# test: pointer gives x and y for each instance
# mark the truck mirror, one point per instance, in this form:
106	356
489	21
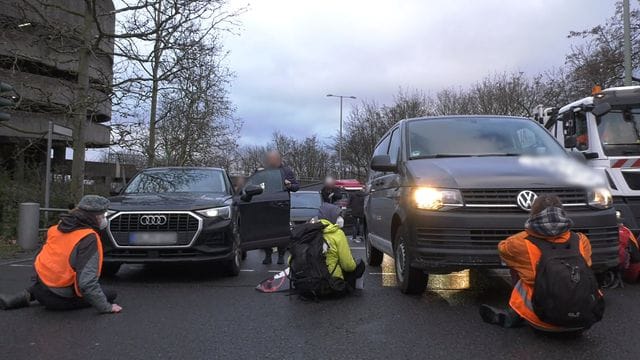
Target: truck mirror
601	109
570	141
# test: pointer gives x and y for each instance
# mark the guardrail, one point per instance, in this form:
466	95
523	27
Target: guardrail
29	224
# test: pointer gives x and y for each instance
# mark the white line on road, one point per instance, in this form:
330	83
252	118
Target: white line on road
382	273
357	248
21	265
247	270
275	271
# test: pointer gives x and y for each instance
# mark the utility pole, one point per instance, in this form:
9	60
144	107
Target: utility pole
627	43
340	168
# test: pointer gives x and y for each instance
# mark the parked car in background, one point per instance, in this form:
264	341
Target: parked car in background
304	206
180	214
444	191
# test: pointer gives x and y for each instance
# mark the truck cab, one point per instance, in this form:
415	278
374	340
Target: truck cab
605	128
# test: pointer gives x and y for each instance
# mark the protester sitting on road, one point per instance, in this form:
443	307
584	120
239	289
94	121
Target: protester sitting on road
339	259
555	289
273	160
69	264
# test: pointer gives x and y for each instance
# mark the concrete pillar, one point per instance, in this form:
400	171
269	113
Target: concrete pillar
28	225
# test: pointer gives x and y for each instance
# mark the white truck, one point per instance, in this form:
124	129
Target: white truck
605	128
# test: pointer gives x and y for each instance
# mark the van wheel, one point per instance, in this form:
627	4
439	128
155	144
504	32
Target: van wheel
410	279
110	269
373	255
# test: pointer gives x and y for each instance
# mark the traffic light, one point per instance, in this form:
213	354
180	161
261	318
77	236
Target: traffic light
6	100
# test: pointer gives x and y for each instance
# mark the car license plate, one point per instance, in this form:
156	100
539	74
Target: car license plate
153	238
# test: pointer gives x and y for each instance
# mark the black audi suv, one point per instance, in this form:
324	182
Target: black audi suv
178	214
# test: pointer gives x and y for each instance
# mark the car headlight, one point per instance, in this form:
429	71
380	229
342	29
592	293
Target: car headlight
220	212
600	198
428	198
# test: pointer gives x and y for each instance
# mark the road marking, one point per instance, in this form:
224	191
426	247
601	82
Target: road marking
21	265
382	273
357	248
275	271
247	270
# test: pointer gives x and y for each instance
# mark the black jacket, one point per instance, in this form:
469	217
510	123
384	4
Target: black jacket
357	204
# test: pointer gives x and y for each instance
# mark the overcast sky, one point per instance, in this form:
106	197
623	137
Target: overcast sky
291	53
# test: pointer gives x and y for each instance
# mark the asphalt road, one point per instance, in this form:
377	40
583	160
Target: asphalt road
178	312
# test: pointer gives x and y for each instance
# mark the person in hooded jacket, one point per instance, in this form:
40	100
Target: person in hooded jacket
339	260
69	264
547	221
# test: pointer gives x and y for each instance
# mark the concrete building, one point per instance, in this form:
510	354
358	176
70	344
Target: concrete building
39	58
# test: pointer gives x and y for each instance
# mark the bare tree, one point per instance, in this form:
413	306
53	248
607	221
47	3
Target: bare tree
162	32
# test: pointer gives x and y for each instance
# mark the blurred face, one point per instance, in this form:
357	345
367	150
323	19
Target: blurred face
102	221
274	160
329	181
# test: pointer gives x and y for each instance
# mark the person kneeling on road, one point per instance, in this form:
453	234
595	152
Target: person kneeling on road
555	289
69	264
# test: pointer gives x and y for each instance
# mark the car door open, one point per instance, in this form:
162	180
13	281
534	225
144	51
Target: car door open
264	218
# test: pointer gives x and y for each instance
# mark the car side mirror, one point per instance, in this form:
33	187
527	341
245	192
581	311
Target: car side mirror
383	163
250	191
601	109
116	189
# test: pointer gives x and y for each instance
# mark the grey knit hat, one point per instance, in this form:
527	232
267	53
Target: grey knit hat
93	203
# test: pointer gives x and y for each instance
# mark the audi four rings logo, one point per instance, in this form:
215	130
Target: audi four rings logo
153	220
525	199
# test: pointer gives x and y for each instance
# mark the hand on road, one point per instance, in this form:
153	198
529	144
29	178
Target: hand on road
115	308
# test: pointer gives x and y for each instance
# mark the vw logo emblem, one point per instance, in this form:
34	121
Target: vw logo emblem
525	199
153	220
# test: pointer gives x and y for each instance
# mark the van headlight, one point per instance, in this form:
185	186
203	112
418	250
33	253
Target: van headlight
428	198
219	212
600	198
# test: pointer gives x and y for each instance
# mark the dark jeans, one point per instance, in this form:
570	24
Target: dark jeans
52	301
357	227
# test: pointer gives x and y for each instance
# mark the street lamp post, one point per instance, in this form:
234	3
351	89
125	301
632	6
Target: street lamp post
340	169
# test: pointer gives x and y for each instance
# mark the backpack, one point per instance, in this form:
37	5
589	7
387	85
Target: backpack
566	292
309	275
629	256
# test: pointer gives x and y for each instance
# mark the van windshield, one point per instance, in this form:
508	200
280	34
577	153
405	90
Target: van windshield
479	136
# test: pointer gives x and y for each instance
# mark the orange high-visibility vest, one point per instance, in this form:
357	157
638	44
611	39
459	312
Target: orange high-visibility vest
53	262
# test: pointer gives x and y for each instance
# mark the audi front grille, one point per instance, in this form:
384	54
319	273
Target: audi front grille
185	225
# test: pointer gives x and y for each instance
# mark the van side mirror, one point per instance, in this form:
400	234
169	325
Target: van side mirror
250	191
383	163
601	109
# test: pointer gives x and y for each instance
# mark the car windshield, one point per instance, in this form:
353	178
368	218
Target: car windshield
619	131
305	200
479	136
178	181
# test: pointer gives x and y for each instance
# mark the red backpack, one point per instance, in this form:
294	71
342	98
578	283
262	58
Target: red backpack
629	255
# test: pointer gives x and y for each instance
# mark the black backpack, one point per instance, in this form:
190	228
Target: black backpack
309	275
566	291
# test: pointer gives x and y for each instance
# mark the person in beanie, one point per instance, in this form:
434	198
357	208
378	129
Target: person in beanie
339	260
547	221
69	263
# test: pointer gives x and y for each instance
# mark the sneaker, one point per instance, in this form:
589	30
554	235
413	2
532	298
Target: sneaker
357	239
491	315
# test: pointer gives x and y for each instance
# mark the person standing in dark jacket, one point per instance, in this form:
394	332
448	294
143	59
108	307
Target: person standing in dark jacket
68	266
357	212
273	160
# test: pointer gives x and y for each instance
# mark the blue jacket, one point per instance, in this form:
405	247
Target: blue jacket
288	174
